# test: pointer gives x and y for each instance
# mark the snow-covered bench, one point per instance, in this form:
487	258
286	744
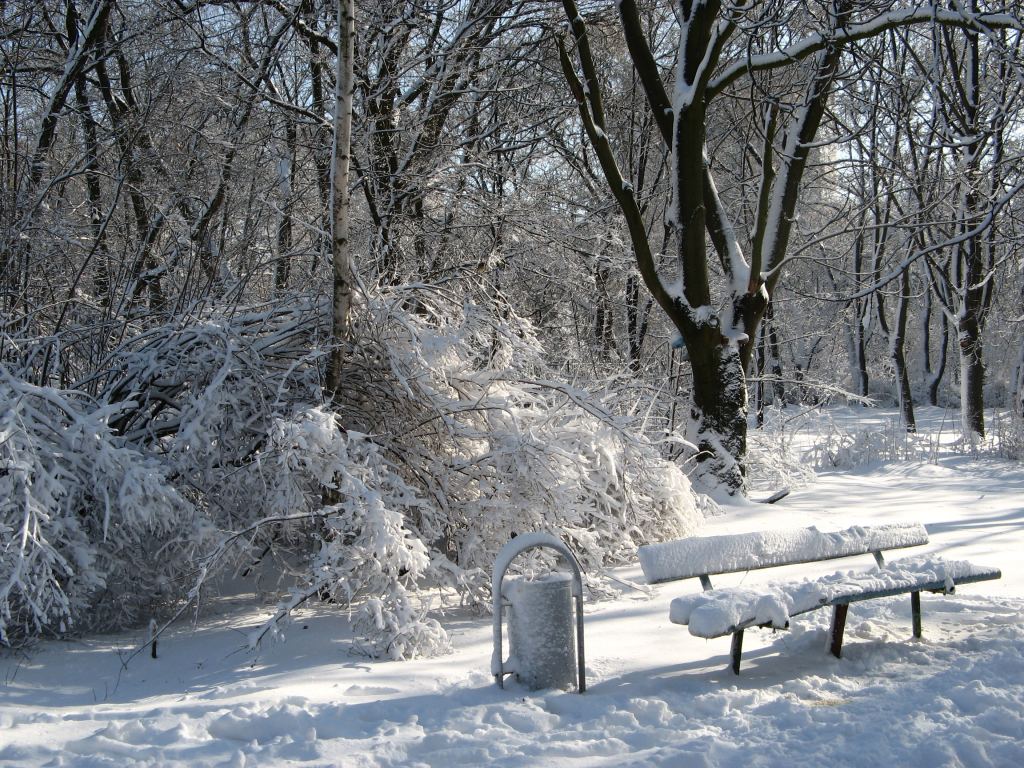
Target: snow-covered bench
720	612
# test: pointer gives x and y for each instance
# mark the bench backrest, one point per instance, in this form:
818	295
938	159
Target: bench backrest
709	555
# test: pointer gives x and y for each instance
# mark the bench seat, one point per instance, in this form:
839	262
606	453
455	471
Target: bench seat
720	612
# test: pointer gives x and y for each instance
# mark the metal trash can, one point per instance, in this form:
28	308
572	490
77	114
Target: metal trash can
541	637
545	639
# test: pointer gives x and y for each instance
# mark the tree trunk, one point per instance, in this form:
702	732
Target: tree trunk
637	319
899	355
341	246
934	367
969	260
604	314
936	378
92	172
286	180
717	422
896	335
134	141
1018	385
762	360
718	409
774	356
320	139
859	330
972	379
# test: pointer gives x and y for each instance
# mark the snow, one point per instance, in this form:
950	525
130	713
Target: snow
699	555
720	611
656	695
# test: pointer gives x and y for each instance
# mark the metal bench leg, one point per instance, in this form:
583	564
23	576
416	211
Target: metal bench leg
737	649
838	625
915	610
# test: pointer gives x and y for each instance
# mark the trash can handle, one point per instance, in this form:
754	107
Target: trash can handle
514	548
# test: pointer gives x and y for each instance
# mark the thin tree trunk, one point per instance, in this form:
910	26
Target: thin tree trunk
934	367
341	246
143	273
861	309
936	378
320	139
762	360
93	188
896	335
636	329
282	267
926	338
899	356
604	315
774	356
1018	384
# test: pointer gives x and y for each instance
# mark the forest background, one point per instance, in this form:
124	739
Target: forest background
357	291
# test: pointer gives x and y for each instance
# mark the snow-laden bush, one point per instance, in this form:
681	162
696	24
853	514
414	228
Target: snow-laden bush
203	395
534	458
1007	434
91	532
450	437
462	400
840	448
774	460
469	444
353	505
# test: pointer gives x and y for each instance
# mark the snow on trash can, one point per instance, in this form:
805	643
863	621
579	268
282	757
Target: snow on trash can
545	632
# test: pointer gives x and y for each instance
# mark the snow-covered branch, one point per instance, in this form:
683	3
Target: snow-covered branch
892	19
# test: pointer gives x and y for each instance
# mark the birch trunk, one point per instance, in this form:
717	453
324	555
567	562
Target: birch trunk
341	247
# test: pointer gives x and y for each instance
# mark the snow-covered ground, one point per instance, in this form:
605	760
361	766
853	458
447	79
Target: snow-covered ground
656	696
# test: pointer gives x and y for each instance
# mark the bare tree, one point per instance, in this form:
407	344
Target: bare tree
720	43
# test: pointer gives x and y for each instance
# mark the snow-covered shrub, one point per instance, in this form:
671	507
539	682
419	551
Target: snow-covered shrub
91	531
450	437
204	394
848	449
228	405
540	462
1008	431
355	506
460	396
469	445
774	461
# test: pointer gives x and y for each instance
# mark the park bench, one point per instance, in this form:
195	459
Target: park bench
729	611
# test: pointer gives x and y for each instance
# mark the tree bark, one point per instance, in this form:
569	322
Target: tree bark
637	321
861	315
934	367
341	246
899	355
1018	384
286	181
93	187
971	274
972	378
